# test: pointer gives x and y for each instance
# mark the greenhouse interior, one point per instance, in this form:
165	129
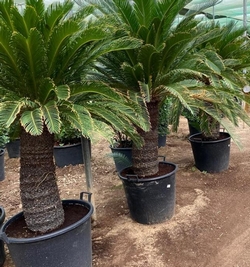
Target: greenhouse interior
178	198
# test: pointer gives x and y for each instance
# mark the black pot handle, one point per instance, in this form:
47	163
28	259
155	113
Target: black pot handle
163	158
4	238
86	193
132	177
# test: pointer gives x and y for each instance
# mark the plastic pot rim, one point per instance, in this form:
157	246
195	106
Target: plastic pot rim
192	140
145	180
2	215
56	233
120	148
67	146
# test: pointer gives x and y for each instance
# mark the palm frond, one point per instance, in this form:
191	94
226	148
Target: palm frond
23	23
53	15
32	121
51	117
31	53
9	111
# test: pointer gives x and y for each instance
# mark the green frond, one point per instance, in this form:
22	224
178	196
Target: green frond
120	158
178	75
118	121
117	44
6	8
131	75
46	90
58	40
143	10
149	58
174	46
9	110
38	5
76	52
81	90
214	61
23	23
85	118
146	91
177	90
51	117
124	14
32	121
62	92
168	11
31	53
7	55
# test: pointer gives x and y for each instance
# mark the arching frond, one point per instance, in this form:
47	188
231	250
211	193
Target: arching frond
51	117
32	121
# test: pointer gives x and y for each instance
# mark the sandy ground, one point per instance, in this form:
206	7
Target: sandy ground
211	226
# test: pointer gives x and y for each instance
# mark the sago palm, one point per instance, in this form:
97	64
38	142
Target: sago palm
45	53
166	64
220	101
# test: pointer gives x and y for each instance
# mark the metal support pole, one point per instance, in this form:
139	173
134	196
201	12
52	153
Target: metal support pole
87	164
245	14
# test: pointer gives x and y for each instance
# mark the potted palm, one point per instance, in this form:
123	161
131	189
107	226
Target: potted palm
168	63
45	54
211	147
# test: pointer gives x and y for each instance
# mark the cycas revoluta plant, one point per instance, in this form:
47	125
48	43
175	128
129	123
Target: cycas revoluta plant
45	54
168	63
220	101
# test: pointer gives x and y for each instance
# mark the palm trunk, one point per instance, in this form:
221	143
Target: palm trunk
145	159
214	127
40	197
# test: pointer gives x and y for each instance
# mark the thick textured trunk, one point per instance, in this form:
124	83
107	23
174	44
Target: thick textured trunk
40	197
213	126
145	159
214	129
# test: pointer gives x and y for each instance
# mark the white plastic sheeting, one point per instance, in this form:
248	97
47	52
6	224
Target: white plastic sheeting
224	10
219	10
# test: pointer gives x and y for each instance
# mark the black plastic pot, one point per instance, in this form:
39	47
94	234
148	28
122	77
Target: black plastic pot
13	148
71	246
122	157
151	200
2	172
68	155
211	156
162	139
2	252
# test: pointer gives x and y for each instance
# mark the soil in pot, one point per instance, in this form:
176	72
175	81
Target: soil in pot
72	213
69	245
151	200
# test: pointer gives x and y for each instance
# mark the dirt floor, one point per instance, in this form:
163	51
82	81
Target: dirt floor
211	226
